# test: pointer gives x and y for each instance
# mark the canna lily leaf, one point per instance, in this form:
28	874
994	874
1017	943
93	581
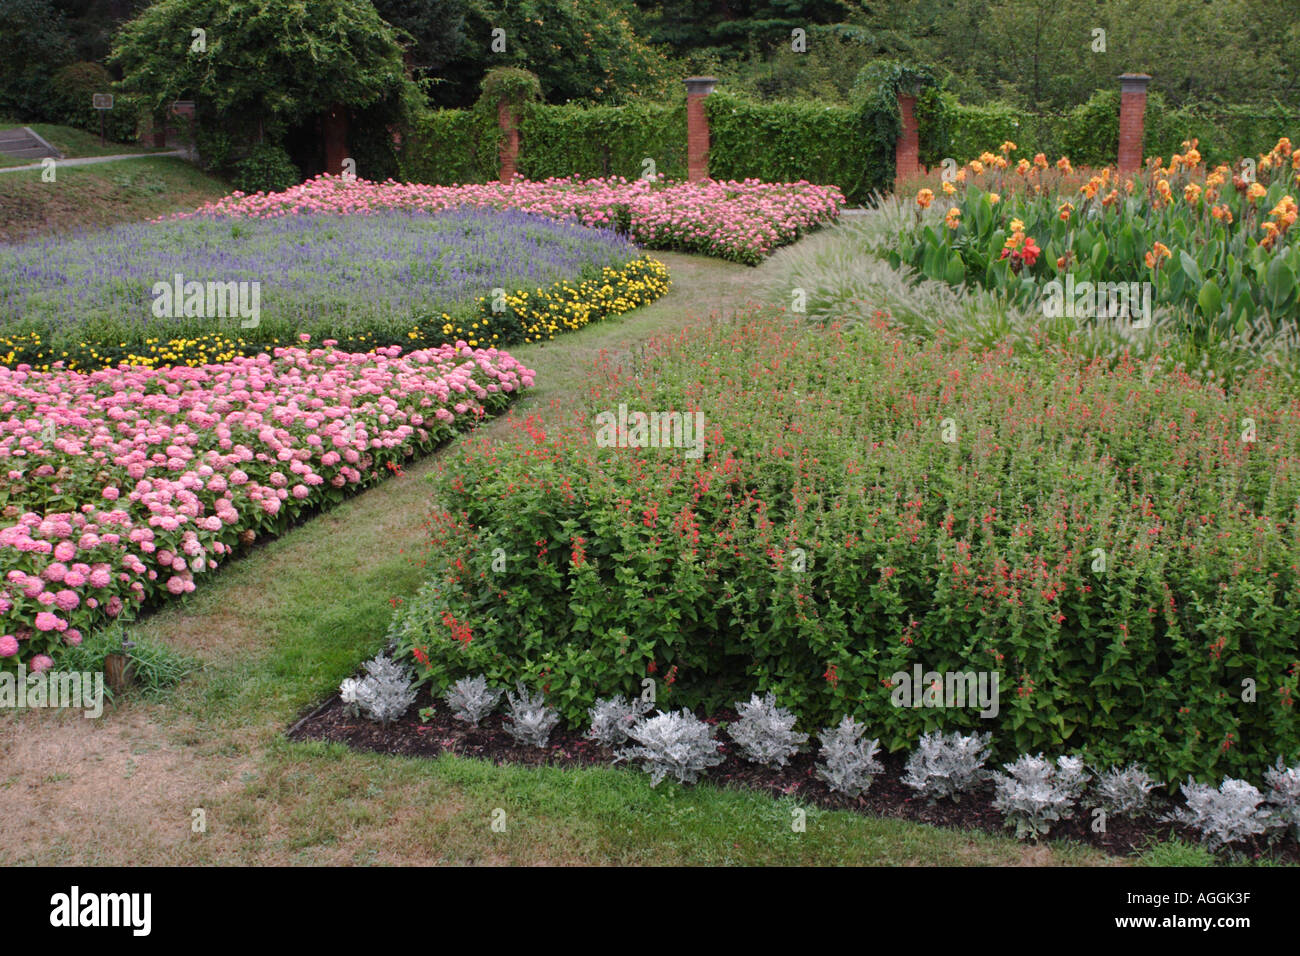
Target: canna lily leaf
1209	299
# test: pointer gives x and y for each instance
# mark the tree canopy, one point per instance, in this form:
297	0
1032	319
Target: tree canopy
274	62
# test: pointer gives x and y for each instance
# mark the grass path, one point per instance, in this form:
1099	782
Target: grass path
279	629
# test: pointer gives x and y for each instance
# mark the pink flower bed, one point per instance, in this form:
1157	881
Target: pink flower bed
743	221
125	485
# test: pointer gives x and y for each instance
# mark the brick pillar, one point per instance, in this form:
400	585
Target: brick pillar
335	131
509	140
907	151
1132	119
697	127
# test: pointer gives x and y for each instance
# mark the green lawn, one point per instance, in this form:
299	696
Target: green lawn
102	194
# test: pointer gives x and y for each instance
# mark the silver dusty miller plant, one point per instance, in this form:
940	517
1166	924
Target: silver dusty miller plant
848	761
1034	793
676	744
470	699
528	719
765	732
613	717
1283	796
384	694
1230	813
946	765
1125	792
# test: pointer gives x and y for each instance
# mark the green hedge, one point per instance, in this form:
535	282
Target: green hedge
597	141
785	142
1089	133
446	147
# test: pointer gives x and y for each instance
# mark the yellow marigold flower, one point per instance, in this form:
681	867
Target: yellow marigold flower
1192	157
994	199
924	198
987	158
949	189
953	219
1017	225
1007	147
1191	192
1162	187
976	167
961	174
1023	167
1255	191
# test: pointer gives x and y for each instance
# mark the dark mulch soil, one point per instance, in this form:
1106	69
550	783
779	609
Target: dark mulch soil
887	797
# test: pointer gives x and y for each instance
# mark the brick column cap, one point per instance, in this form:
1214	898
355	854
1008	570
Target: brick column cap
1134	82
700	85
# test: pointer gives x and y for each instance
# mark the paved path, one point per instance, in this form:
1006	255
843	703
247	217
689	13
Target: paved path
88	160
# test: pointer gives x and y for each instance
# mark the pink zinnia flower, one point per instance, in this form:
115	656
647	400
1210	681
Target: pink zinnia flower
45	621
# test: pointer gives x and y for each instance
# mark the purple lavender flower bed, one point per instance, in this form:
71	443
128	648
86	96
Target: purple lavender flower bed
328	276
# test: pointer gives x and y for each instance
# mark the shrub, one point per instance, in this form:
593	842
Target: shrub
528	719
267	168
1228	814
1125	791
593	142
73	88
613	717
848	760
1283	797
765	732
1034	794
384	694
793	141
832	442
470	699
446	147
673	744
946	765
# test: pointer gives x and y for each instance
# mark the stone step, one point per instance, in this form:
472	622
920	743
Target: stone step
25	143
